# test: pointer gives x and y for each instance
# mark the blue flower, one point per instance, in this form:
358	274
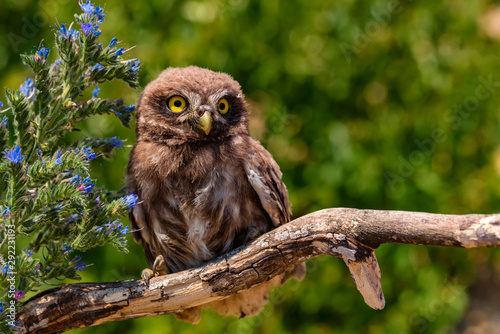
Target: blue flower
130	108
116	142
85	185
28	88
117	227
67	249
119	52
80	266
57	62
113	42
42	53
6	213
75	179
95	92
29	253
98	67
131	200
88	188
14	155
39	152
88	153
58	154
134	65
87	7
1	307
63	31
5	122
70	34
1	105
59	161
99	14
5	269
96	31
76	259
86	28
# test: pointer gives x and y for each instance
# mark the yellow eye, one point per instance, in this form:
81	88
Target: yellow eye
223	106
176	103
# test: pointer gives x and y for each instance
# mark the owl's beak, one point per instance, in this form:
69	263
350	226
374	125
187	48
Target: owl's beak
205	123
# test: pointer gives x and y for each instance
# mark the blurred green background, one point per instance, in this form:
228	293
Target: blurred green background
363	104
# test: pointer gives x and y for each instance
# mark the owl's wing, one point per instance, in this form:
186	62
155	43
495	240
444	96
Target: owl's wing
264	175
137	223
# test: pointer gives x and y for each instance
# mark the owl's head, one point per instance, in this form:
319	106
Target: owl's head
191	104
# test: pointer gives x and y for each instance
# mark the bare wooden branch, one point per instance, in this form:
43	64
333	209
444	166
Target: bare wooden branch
349	234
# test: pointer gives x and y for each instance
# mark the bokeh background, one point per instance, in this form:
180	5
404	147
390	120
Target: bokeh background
365	104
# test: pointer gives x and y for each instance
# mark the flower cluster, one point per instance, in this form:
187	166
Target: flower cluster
114	226
42	54
94	17
70	34
94	12
46	190
84	185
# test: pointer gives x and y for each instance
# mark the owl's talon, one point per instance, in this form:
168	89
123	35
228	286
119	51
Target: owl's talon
253	233
159	266
146	275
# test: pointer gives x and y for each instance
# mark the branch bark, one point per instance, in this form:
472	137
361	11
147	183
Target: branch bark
349	234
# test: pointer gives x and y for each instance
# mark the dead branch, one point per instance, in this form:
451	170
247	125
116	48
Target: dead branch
349	234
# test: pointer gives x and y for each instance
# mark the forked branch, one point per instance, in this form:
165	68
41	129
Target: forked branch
349	234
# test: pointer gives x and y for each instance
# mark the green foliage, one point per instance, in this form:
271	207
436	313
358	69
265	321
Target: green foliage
47	195
341	91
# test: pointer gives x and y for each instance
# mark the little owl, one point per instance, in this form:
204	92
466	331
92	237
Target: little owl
205	186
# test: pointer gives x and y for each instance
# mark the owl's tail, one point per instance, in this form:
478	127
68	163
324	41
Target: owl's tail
246	303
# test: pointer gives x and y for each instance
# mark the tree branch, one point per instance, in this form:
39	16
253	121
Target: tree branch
349	234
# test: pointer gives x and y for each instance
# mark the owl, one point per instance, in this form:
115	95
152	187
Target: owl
205	186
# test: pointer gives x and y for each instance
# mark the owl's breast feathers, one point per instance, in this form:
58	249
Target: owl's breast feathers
199	201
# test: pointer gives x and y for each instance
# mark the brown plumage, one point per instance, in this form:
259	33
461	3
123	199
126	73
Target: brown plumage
204	184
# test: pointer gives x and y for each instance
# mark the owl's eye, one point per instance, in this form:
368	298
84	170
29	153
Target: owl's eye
177	103
223	106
